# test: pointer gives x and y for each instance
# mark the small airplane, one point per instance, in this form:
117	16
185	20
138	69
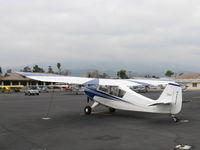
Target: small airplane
117	94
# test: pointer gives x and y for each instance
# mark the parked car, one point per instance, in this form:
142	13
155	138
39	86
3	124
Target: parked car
32	91
43	89
77	89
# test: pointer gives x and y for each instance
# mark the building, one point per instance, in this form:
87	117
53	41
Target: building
192	81
17	79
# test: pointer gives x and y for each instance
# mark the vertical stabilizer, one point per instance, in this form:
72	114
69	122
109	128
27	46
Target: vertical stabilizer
172	95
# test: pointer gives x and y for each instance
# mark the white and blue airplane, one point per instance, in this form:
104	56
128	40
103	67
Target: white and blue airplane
117	94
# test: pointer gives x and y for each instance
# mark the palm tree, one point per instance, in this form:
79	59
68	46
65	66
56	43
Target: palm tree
1	71
59	67
50	70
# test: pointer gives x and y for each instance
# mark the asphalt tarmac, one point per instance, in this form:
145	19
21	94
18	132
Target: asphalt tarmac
22	126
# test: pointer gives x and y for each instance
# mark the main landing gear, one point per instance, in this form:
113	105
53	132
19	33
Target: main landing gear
88	109
174	118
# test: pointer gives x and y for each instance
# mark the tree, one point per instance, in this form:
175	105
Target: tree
104	75
9	71
50	70
169	73
147	76
130	74
180	74
1	71
122	74
36	68
59	67
153	76
66	72
26	69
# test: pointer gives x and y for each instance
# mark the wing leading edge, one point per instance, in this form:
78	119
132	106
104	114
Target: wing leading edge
86	81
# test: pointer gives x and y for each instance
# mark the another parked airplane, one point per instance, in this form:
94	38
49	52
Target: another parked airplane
10	88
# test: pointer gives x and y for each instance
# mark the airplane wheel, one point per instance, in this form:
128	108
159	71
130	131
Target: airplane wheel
87	110
175	119
111	109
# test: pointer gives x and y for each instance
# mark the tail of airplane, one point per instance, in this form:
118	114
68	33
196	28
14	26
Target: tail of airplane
172	95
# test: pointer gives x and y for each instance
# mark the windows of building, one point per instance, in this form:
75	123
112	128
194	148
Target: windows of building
194	84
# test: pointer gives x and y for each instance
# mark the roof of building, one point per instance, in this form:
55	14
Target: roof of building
189	76
14	77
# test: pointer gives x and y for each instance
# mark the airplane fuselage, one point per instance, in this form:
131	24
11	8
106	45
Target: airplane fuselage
124	98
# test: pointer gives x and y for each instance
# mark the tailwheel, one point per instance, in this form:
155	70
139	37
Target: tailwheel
87	110
111	109
174	118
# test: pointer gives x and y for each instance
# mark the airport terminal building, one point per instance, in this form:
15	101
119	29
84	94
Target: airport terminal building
10	79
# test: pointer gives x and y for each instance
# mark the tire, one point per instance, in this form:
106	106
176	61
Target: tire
87	110
175	119
111	110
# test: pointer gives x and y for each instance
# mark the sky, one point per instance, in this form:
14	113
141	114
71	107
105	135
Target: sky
139	35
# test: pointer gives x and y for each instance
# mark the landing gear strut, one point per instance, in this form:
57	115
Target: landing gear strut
174	118
88	99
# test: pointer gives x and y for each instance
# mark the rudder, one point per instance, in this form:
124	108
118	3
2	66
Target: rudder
172	95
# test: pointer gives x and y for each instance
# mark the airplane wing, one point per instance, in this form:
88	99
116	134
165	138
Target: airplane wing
95	81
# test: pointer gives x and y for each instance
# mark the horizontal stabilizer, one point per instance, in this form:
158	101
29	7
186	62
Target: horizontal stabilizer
161	103
186	101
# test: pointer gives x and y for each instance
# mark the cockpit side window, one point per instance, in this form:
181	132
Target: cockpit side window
121	93
103	88
112	90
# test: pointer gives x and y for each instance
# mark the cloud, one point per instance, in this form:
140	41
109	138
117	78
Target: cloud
112	31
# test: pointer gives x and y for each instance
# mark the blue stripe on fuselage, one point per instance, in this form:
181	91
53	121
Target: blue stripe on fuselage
174	84
91	92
